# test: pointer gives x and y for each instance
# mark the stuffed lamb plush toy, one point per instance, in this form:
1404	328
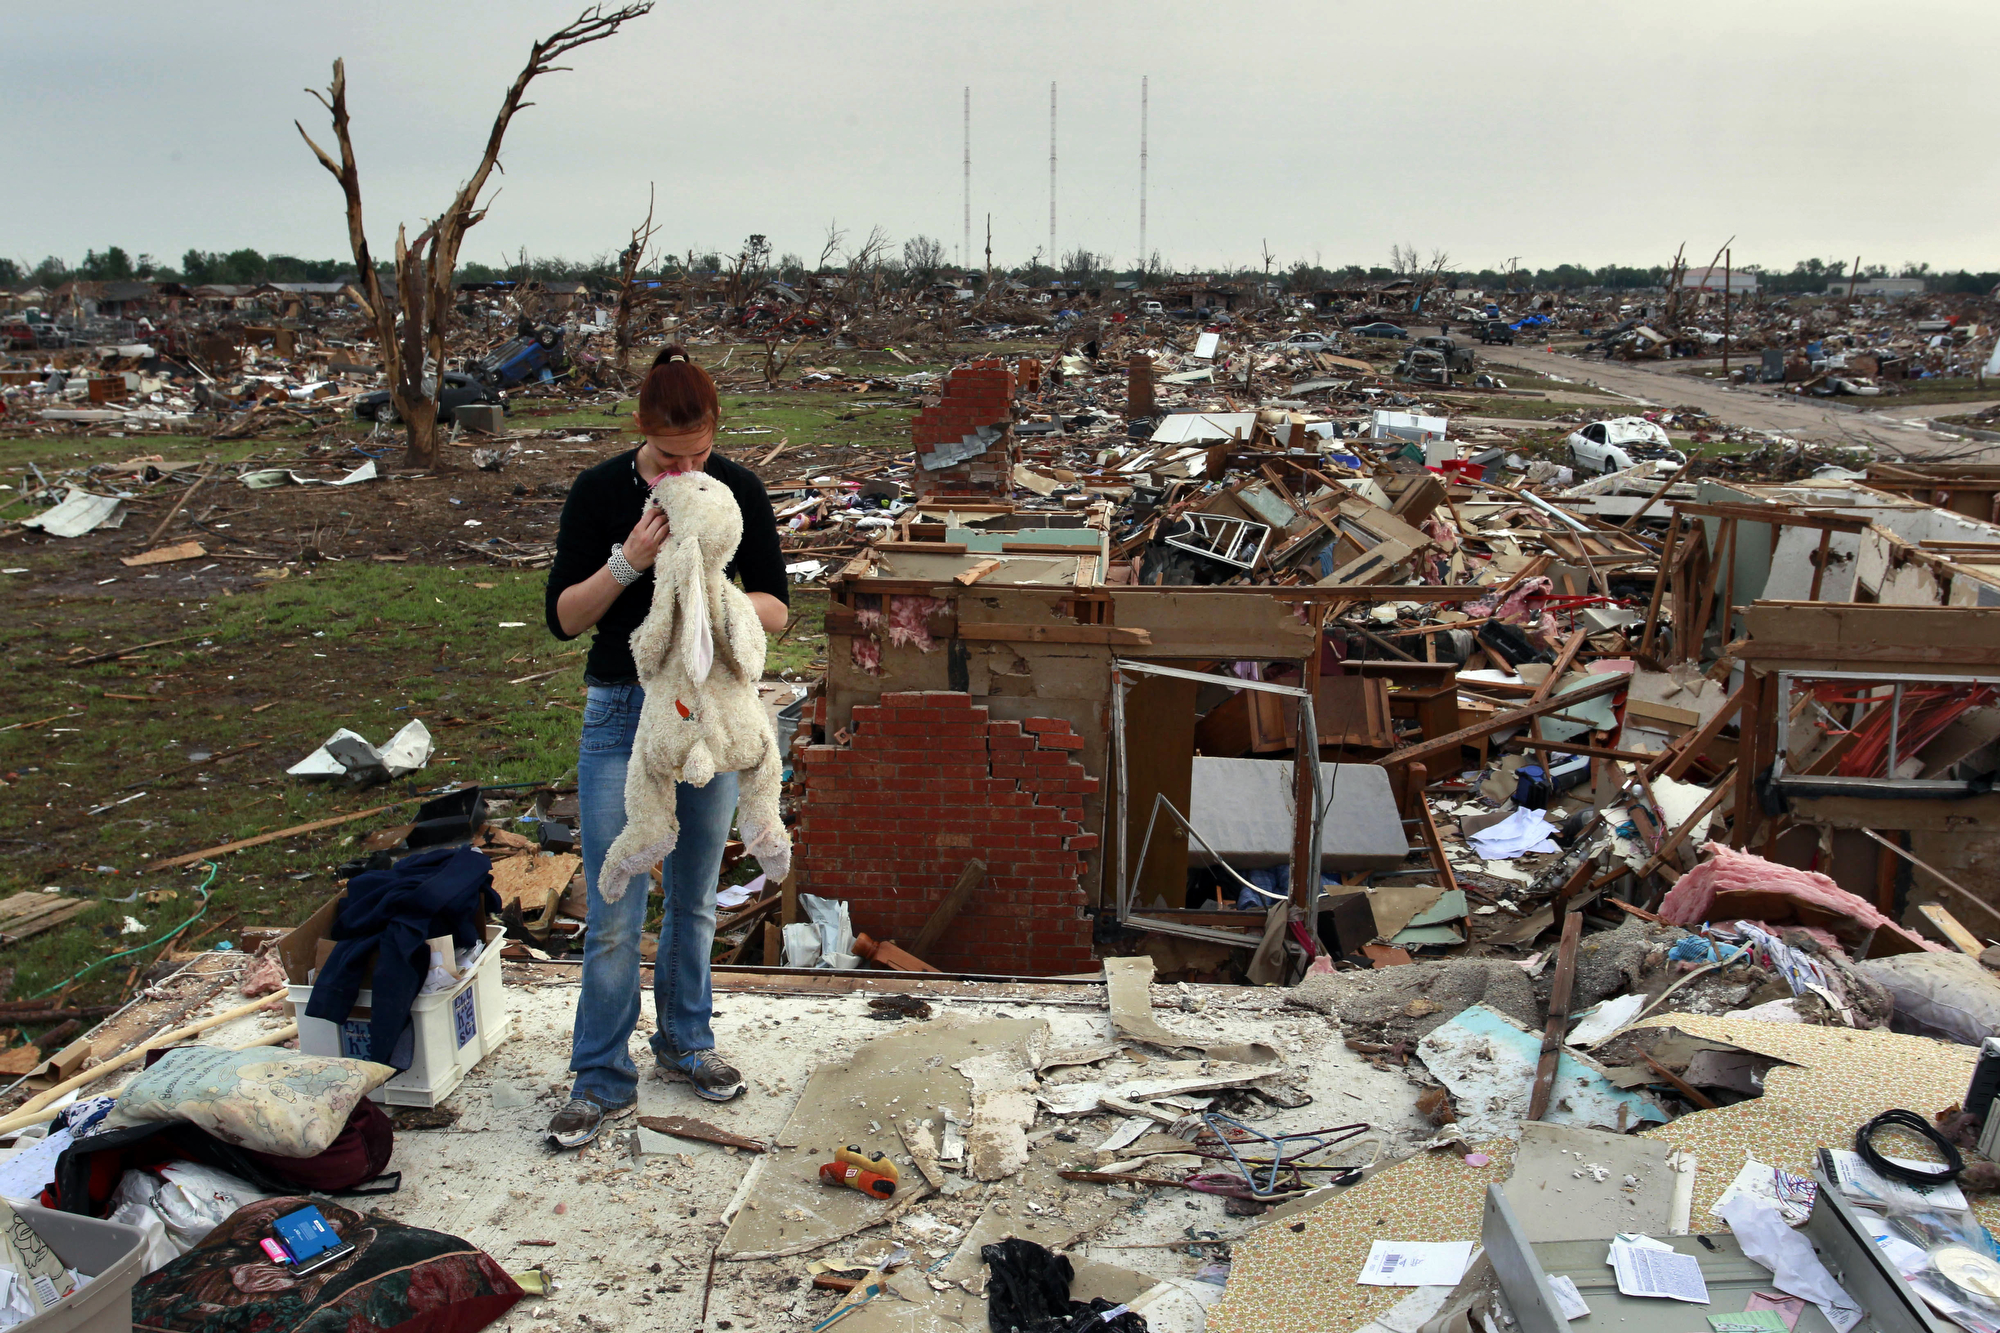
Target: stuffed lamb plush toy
700	654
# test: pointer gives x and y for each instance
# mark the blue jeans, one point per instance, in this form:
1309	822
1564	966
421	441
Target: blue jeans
608	1008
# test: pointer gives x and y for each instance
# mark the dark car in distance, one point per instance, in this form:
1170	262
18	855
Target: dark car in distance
1379	329
459	390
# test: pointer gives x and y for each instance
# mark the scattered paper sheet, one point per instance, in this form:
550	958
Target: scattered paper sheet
1789	1191
1568	1299
1762	1232
1787	1308
1749	1321
1415	1263
736	895
1644	1270
1862	1184
26	1172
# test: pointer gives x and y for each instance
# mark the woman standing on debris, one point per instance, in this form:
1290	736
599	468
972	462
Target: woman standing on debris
602	577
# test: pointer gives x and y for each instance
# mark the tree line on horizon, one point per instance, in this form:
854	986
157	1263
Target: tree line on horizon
923	261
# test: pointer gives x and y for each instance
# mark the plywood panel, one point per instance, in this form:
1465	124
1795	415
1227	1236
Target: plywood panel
1159	759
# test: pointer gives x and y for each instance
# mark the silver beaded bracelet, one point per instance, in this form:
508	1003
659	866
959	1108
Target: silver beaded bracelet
621	568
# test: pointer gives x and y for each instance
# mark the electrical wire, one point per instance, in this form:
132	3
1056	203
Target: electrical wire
201	888
1915	1124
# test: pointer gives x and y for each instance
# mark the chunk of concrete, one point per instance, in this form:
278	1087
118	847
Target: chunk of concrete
486	418
1242	808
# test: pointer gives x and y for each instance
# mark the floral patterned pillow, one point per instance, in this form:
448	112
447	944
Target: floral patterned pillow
265	1099
399	1277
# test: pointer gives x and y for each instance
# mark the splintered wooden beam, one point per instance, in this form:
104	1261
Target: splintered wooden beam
1560	987
224	849
1447	745
948	907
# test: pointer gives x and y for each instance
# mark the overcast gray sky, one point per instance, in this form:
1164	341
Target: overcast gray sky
1585	131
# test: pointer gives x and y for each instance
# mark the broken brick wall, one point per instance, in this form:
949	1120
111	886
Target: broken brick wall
928	783
977	396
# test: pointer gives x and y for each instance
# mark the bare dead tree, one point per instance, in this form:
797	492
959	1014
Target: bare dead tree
817	284
1670	316
774	363
411	324
864	268
630	298
1433	274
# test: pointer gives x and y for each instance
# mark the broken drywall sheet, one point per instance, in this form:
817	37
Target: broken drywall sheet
1678	800
1162	1078
1078	1055
861	1100
920	1140
1605	1019
1571	1183
1003	1106
1128	984
1487	1060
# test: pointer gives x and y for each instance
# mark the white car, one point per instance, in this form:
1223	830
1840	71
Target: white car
1301	342
1622	442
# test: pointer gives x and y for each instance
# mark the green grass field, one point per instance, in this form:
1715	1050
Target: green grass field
266	676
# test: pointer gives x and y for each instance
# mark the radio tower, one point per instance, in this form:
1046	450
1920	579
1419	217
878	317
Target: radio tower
1052	173
965	246
1142	175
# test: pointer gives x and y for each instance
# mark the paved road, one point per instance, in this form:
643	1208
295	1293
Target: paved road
1894	431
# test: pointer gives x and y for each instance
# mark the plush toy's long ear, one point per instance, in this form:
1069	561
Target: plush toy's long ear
653	641
693	609
730	649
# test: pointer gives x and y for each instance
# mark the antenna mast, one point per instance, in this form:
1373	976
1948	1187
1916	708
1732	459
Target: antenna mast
1052	173
1142	174
965	245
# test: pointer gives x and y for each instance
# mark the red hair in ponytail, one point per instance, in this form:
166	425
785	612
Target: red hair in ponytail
678	395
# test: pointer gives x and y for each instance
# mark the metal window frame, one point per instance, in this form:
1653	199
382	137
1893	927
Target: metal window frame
1888	785
1128	879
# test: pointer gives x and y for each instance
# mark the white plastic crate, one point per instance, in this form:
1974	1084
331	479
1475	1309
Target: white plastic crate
454	1030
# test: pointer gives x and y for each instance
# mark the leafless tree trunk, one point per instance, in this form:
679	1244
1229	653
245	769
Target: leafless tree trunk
1671	313
818	290
775	364
629	296
411	324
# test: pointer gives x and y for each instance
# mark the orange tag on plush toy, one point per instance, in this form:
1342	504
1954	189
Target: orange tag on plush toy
683	710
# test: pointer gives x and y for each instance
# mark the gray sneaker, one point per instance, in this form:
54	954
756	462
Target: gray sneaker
705	1072
578	1122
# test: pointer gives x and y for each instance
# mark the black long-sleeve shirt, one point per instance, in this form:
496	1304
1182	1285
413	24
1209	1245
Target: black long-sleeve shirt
604	504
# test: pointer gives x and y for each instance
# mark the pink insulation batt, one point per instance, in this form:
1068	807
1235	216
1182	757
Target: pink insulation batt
1726	870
